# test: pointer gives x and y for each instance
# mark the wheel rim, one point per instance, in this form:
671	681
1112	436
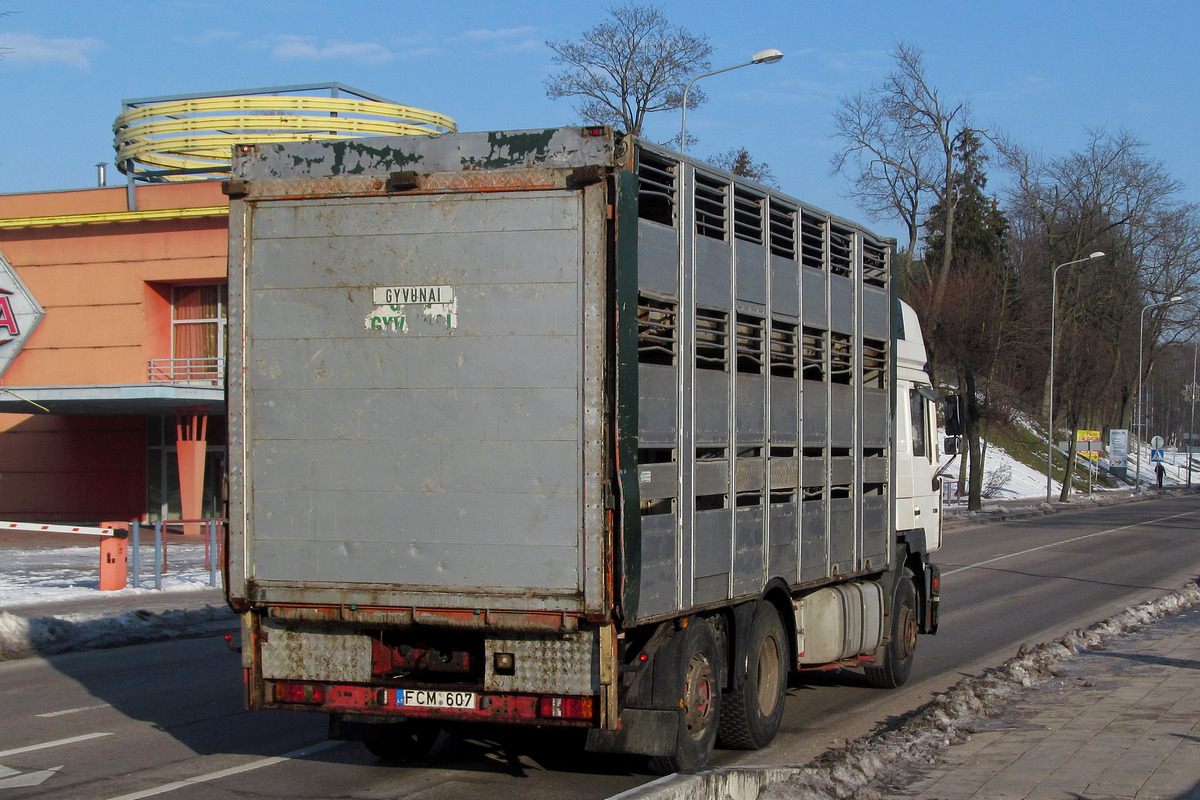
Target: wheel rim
698	696
908	631
769	676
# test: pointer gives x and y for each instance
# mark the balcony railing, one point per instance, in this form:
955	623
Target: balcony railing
190	371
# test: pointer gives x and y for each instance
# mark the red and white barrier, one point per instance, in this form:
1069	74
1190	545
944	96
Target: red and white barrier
35	527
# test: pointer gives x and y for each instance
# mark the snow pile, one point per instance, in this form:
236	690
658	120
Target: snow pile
21	637
34	577
854	770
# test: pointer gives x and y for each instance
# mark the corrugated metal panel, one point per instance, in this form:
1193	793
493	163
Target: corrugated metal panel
315	654
547	664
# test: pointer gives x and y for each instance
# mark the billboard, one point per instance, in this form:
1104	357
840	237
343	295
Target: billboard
19	314
1118	447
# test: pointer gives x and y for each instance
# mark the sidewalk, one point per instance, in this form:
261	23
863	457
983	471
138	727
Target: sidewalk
1120	722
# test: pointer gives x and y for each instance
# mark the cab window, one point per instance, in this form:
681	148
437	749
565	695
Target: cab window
920	428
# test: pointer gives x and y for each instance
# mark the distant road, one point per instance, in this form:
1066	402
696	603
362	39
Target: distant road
166	720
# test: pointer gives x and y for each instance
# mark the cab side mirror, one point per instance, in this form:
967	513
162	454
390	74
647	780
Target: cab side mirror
952	445
954	413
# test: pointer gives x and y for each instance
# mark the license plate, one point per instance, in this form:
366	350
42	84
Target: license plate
426	698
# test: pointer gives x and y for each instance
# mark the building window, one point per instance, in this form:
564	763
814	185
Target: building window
198	319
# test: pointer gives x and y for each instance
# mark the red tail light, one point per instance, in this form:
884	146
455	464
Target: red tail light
566	707
312	693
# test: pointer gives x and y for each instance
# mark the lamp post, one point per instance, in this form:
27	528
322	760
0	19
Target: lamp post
1192	422
761	57
1050	416
1137	459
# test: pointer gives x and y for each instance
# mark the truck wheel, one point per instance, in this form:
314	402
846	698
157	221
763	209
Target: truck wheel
699	701
897	654
752	711
403	741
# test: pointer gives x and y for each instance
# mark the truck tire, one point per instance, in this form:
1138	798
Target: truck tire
403	742
752	711
897	654
699	701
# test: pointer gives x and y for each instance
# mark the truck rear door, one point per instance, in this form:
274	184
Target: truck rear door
416	408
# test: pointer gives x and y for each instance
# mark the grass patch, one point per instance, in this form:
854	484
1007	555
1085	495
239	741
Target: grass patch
1029	448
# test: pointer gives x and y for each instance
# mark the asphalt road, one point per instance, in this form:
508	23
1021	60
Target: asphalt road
166	719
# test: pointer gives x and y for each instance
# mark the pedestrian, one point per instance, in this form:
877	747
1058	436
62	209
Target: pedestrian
1159	472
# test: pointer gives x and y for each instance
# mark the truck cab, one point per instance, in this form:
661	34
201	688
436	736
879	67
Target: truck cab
918	496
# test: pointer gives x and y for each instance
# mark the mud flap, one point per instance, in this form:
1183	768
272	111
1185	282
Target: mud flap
644	731
932	595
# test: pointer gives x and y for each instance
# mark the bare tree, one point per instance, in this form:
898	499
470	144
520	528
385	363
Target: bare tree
1112	197
631	66
912	156
887	176
901	149
971	317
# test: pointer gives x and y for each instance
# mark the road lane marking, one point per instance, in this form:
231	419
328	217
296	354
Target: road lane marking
1065	541
65	712
13	780
225	773
58	743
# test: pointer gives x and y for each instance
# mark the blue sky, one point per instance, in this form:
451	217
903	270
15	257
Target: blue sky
1041	72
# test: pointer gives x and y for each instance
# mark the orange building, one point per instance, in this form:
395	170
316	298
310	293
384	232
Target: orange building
132	342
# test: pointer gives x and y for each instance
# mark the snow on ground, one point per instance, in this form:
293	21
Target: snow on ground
34	577
40	575
1025	482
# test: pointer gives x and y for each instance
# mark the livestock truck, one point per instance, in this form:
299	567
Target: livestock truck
559	428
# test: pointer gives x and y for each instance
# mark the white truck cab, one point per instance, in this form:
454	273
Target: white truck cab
918	500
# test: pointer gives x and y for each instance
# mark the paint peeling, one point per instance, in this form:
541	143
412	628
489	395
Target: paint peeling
357	157
388	319
442	314
401	318
376	157
512	149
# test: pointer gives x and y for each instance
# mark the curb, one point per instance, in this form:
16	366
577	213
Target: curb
920	736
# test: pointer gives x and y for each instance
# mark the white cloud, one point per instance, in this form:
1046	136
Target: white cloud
308	48
25	48
213	36
505	39
500	33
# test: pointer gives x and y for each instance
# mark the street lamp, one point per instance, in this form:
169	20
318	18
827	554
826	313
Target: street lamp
1137	459
761	57
1192	423
1050	418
